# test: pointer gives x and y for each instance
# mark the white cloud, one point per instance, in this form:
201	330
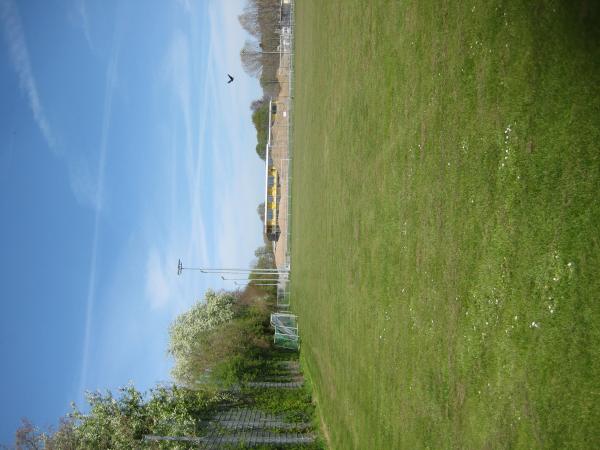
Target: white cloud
97	199
19	55
83	184
177	70
81	19
186	5
157	286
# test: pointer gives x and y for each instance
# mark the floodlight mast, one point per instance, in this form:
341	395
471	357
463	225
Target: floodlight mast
260	271
262	52
253	279
181	268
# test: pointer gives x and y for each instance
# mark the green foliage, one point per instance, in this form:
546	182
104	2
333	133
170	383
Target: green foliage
122	421
210	340
176	411
112	422
265	257
197	341
295	405
260	119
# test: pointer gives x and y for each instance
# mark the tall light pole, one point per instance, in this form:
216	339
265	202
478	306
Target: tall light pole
181	268
254	279
216	270
262	52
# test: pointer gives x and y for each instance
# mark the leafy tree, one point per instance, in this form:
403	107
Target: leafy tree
265	257
256	104
112	422
122	421
29	437
65	437
194	336
260	210
260	119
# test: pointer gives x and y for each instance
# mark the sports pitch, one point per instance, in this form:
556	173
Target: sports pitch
446	221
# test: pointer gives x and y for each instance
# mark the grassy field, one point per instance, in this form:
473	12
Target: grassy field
446	217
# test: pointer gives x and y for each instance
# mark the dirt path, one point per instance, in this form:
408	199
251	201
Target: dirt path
279	151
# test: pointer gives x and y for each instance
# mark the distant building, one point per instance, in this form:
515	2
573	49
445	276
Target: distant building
285	19
272	186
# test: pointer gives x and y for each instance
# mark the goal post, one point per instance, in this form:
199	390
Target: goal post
286	330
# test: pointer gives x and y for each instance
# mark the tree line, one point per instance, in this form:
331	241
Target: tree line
261	19
221	341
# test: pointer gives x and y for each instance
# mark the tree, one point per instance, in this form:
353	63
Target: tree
265	257
257	104
193	334
260	119
65	437
260	210
29	437
249	19
251	56
260	17
112	422
122	421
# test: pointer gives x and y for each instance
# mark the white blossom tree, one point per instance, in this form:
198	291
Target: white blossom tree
195	342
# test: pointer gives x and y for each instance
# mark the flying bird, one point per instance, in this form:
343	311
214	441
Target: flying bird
230	78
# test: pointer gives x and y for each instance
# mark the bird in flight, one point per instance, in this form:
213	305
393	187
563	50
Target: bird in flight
230	78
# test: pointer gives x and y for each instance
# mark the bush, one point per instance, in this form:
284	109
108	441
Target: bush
212	342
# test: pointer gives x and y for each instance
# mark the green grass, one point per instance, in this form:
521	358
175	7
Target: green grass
446	220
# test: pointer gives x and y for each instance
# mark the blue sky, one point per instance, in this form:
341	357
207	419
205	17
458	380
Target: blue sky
122	150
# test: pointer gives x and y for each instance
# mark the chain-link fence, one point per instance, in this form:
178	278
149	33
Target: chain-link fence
237	425
287	33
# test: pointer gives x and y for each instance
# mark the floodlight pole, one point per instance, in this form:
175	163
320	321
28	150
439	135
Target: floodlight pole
254	279
259	52
205	269
181	268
